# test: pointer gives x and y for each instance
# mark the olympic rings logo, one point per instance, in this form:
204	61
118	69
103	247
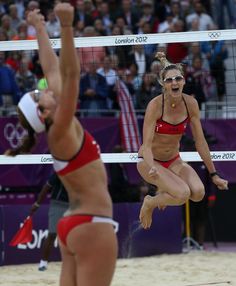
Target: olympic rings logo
53	43
14	134
133	157
214	35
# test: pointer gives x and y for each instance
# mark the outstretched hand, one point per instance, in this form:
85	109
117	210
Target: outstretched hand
35	17
65	14
220	183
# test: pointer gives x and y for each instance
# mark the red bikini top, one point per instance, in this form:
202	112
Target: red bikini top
89	151
163	127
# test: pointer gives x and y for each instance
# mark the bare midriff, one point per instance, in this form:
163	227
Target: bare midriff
164	147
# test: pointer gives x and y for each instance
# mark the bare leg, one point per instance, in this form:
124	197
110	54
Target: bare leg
189	175
174	191
95	249
68	268
47	246
177	184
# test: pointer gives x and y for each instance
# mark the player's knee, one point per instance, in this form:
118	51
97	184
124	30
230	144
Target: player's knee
198	194
182	196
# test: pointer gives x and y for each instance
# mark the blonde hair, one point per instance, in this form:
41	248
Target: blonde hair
166	66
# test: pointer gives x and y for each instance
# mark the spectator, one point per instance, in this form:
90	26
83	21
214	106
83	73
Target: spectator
99	28
93	91
176	52
111	77
216	52
129	15
20	6
199	82
166	26
146	92
125	75
149	49
161	8
114	9
176	10
137	56
3	35
205	21
87	54
25	79
219	6
147	16
124	28
3	8
90	9
6	26
22	32
78	28
194	25
58	206
13	60
135	78
105	17
52	24
32	5
121	52
81	15
138	8
194	49
154	71
9	91
15	20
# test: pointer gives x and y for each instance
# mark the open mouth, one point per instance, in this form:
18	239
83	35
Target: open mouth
175	89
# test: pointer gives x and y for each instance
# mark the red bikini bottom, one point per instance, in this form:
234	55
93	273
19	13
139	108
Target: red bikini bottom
67	223
165	164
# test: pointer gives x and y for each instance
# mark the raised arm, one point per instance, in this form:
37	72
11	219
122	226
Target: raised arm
203	148
48	59
69	65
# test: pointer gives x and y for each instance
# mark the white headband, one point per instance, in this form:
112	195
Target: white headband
30	110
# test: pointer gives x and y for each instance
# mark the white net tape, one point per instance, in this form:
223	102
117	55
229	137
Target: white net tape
104	41
114	158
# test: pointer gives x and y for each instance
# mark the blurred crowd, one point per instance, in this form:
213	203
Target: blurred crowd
20	71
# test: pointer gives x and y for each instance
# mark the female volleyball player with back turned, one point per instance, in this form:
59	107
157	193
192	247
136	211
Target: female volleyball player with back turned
159	163
86	233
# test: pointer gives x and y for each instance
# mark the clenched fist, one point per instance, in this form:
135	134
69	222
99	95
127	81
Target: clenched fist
65	14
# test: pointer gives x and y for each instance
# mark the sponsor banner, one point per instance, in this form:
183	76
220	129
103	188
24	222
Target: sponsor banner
163	237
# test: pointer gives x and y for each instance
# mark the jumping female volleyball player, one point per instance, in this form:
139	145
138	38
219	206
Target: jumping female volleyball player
86	233
165	121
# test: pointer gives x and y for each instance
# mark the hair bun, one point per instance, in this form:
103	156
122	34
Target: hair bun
160	56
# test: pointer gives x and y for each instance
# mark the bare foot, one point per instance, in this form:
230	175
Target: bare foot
145	215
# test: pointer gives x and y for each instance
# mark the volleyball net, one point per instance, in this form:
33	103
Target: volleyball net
209	63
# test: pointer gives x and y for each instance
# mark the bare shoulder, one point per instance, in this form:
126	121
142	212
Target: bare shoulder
153	111
155	103
192	104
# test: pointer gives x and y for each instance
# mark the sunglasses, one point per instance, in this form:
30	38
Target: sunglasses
177	78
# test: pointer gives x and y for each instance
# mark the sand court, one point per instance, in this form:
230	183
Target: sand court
192	269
